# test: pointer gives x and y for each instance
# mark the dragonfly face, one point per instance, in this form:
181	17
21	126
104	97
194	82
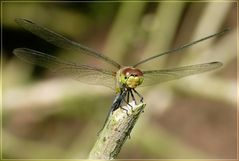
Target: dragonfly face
130	77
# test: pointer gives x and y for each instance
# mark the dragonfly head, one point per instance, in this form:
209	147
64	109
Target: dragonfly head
130	77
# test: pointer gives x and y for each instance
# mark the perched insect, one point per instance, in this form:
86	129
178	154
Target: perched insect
123	80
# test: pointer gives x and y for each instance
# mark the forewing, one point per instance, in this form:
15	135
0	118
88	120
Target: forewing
62	42
158	76
82	73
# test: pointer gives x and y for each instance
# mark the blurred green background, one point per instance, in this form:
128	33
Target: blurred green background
45	116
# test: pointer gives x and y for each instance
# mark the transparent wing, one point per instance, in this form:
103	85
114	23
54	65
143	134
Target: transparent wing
62	42
181	47
158	76
82	73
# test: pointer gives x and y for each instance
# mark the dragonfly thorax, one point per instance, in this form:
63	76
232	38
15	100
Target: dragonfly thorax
130	77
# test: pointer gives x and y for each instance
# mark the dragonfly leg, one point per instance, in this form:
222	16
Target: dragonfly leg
140	96
127	101
127	112
132	95
124	94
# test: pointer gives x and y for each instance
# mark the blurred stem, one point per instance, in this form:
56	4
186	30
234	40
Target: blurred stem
163	29
19	147
216	13
123	29
225	89
115	132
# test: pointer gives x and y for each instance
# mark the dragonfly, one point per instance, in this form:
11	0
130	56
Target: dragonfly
123	79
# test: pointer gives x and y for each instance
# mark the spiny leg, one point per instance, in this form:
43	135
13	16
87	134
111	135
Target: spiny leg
132	95
127	101
125	93
127	112
140	96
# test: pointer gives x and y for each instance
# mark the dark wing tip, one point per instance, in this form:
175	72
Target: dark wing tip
227	29
22	20
217	64
20	53
17	51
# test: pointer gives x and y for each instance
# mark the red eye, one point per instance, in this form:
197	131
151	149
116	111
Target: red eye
128	71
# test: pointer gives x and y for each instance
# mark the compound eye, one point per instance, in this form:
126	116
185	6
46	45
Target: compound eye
125	77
